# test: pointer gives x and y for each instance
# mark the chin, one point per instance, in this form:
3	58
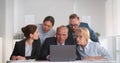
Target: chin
78	44
36	39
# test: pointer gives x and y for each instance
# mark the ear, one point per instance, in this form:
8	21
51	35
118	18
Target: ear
31	35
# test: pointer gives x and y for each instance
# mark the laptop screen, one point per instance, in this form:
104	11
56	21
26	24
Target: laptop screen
62	52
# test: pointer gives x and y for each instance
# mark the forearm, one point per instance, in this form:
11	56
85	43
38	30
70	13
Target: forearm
99	57
93	58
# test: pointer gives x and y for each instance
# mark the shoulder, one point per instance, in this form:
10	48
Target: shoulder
21	41
52	31
83	23
94	44
51	38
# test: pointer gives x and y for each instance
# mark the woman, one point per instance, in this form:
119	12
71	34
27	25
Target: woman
89	50
28	48
46	29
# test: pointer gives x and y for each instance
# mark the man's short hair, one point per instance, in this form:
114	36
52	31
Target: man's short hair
60	27
72	16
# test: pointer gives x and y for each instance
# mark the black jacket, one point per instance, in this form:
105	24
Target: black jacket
45	50
19	49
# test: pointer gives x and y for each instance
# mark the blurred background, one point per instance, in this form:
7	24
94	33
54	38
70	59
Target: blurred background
101	15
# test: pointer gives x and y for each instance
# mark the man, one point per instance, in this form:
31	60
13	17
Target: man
60	39
74	23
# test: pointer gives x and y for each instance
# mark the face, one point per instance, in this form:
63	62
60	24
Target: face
74	23
62	35
80	39
47	25
35	35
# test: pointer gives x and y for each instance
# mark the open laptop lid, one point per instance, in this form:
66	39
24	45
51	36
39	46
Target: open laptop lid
62	52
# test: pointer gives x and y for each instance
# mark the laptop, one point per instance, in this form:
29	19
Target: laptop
62	52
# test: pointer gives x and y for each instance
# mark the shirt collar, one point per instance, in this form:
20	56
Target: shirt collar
86	47
60	44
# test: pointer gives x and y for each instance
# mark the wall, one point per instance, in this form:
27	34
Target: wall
118	16
43	8
40	9
112	17
96	10
1	50
7	28
2	28
1	31
0	17
13	12
18	15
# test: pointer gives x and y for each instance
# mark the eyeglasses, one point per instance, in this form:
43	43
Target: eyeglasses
74	25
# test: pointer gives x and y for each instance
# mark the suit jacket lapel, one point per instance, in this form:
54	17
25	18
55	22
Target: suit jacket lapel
33	48
55	41
23	48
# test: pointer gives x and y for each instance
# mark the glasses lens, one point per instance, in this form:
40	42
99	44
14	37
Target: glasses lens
73	25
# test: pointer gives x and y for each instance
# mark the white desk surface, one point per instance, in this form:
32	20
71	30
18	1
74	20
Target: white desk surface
32	61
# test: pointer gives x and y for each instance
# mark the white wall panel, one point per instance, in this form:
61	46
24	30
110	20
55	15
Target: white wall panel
0	50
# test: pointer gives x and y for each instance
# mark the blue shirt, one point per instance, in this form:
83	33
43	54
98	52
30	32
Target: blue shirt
93	49
93	36
44	35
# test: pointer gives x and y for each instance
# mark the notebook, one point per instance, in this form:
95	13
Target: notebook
62	52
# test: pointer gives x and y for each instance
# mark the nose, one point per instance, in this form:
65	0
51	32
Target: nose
73	27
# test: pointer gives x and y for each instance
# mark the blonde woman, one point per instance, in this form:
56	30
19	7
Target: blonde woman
89	50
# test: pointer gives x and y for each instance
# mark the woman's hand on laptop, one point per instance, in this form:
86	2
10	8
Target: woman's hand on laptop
21	58
14	57
18	58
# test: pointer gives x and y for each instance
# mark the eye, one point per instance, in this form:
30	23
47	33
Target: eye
75	25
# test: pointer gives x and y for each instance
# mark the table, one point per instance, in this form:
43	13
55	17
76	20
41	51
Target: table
32	61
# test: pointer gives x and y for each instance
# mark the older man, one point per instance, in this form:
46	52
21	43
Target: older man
60	39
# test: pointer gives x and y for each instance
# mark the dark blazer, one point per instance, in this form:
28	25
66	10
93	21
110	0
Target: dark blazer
45	50
93	36
19	49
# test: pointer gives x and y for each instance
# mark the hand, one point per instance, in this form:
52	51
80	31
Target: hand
21	58
93	58
14	58
88	58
